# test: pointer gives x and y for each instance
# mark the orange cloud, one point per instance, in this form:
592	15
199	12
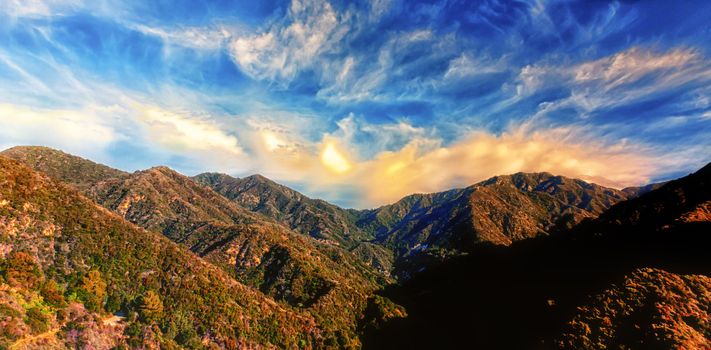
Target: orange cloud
392	175
425	165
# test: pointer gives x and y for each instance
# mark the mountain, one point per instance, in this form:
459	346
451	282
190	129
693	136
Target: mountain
63	256
313	217
633	192
316	275
651	309
77	171
290	267
635	277
425	228
679	201
162	200
500	210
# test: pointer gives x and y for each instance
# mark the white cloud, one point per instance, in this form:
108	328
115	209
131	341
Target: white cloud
617	79
374	73
391	175
467	65
36	8
310	29
630	66
181	133
203	38
86	131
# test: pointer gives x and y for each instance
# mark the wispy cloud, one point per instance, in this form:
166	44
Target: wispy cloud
185	134
311	28
85	132
37	8
370	100
202	38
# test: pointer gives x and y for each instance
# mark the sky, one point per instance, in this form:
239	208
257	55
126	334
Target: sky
363	102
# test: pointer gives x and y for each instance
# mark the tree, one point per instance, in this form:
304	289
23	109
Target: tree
151	306
52	294
94	289
22	270
36	320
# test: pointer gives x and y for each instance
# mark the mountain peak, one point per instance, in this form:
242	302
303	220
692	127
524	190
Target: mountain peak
259	178
77	171
162	169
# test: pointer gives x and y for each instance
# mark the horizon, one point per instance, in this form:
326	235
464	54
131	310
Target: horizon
362	103
338	205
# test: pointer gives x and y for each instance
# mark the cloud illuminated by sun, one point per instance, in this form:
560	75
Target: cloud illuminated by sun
333	159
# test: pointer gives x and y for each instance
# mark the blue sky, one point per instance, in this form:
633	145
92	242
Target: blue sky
361	103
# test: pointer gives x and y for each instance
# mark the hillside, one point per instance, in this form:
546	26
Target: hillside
85	254
161	200
79	172
313	217
293	268
558	291
684	200
533	249
650	309
425	228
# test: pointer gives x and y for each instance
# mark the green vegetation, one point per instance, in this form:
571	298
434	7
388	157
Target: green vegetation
151	308
278	269
92	254
77	171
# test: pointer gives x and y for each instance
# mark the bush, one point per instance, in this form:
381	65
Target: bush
21	270
151	307
52	295
36	320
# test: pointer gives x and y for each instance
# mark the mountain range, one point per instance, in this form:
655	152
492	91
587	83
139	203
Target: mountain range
247	262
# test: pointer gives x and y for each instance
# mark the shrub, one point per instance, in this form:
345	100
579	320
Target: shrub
151	307
22	271
36	320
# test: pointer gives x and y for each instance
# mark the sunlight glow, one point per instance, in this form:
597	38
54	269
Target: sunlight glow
334	160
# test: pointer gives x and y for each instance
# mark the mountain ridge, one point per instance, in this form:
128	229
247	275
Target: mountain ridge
499	210
634	277
494	246
40	213
75	170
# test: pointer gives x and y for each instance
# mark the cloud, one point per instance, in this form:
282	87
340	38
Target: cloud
419	162
621	77
203	38
311	28
480	155
467	65
86	131
95	130
398	68
634	64
36	8
183	134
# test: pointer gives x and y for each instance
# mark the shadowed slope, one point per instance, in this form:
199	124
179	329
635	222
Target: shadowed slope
426	228
529	295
